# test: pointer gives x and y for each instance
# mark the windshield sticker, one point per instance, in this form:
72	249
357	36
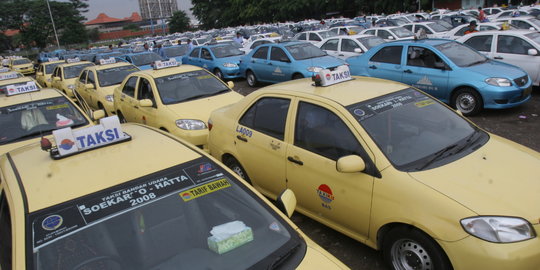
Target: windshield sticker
63	121
204	77
326	195
55	224
29	106
424	103
205	189
56	107
274	227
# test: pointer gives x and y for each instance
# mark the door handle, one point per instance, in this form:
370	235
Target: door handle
241	138
269	64
121	99
407	71
373	67
252	61
341	54
135	106
291	159
498	57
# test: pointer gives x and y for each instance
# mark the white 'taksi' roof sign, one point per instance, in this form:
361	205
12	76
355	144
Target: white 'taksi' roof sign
21	88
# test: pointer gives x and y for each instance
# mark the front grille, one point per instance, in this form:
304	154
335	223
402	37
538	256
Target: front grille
521	81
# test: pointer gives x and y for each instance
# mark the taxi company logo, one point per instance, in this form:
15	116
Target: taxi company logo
186	195
52	223
328	76
325	193
66	144
425	80
277	70
205	168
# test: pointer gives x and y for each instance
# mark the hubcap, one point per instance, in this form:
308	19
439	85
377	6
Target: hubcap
250	79
238	171
410	255
466	102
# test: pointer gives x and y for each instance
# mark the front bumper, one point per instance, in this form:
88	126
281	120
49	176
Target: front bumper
198	138
505	97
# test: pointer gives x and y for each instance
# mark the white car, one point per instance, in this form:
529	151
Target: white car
346	30
432	29
344	47
507	13
517	47
313	36
250	45
390	33
459	30
525	22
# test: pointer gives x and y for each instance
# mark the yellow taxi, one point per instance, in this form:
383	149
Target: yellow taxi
174	98
167	205
22	65
45	70
96	84
389	166
65	75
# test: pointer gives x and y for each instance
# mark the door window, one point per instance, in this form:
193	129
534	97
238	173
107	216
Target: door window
129	87
5	233
330	45
384	34
91	78
277	54
267	115
195	52
511	44
480	43
422	57
261	53
314	37
82	77
390	55
370	32
205	54
302	36
144	90
348	45
418	27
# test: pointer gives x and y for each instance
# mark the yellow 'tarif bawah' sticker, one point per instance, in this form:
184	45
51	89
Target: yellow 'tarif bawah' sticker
200	191
424	103
55	107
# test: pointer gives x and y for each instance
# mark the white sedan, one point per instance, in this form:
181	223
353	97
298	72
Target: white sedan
525	22
432	29
344	47
250	45
390	33
313	36
517	47
459	30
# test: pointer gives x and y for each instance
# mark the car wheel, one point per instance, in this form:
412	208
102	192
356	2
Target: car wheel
408	248
235	166
297	76
251	79
121	117
218	73
468	101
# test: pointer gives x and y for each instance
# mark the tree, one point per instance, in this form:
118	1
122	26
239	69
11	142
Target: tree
133	27
179	22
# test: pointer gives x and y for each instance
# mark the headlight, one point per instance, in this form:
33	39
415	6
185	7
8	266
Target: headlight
71	86
498	229
230	65
189	124
314	69
109	98
499	81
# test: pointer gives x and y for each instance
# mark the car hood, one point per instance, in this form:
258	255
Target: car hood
493	68
200	109
318	258
230	59
324	62
500	178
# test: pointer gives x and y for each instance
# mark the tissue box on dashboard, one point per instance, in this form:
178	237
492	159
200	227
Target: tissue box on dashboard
229	242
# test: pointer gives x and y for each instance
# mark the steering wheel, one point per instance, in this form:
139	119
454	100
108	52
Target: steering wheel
97	259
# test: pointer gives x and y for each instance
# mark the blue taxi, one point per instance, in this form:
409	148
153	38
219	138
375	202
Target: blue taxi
448	70
278	62
143	60
220	59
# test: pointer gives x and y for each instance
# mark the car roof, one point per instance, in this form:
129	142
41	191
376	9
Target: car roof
344	93
166	71
52	62
512	31
47	182
74	64
107	66
43	93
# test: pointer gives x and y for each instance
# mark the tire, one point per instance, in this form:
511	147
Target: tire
251	78
235	166
121	117
468	101
408	248
218	73
297	76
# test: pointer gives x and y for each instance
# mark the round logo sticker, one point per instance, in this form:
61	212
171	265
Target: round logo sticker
359	112
66	144
186	196
325	193
52	222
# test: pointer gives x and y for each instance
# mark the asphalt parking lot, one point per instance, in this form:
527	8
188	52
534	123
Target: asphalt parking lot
520	124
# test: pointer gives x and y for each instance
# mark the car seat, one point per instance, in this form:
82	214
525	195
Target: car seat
32	118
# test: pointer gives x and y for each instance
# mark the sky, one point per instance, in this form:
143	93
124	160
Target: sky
113	8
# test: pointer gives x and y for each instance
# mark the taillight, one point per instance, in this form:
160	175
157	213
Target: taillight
210	125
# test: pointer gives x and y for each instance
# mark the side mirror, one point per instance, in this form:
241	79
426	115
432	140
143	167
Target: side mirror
531	28
350	164
286	202
284	59
532	52
146	103
89	86
98	114
440	65
56	79
230	84
358	50
390	37
39	73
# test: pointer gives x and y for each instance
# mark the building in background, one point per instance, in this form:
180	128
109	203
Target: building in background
157	9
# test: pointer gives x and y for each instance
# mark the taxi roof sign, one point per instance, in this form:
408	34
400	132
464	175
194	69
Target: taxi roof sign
21	88
70	142
111	60
73	60
52	59
5	69
8	75
166	64
327	77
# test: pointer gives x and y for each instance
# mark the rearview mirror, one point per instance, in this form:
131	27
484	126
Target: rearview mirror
286	202
56	79
357	50
532	52
350	164
89	86
230	84
39	73
98	114
390	37
146	103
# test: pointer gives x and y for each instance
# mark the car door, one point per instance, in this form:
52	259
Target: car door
80	85
145	115
385	34
260	143
331	47
483	44
56	83
206	60
314	38
386	63
259	63
321	136
347	48
127	99
279	65
91	93
514	50
425	70
193	57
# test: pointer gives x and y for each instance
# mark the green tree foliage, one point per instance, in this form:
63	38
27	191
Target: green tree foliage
179	22
133	27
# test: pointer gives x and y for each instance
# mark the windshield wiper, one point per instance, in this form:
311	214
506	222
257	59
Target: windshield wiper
281	258
30	135
477	62
437	155
197	97
468	141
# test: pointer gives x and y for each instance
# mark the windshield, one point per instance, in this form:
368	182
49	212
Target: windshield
36	118
176	50
74	71
327	34
460	54
304	51
145	59
409	127
225	51
189	216
535	21
189	86
370	42
437	27
534	37
21	62
112	76
402	32
50	67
